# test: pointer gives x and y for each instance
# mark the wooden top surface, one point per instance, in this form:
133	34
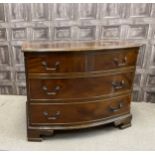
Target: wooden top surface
76	46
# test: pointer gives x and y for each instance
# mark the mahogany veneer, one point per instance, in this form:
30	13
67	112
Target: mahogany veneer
78	85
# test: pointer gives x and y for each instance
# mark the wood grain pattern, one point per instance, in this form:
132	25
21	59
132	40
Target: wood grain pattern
81	113
80	62
77	46
80	87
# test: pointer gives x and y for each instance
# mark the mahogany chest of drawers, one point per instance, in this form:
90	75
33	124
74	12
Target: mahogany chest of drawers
78	85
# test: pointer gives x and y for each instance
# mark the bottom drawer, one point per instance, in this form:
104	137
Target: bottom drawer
50	114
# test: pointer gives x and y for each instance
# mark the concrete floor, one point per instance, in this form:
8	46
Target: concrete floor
141	136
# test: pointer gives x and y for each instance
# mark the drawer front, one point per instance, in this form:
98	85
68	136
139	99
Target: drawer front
56	62
79	112
113	59
80	62
79	88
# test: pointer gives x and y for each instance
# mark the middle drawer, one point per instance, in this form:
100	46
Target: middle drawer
80	87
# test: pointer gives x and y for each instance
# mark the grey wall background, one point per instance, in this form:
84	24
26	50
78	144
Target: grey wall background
56	22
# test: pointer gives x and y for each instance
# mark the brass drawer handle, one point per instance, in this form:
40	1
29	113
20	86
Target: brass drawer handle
121	63
53	116
115	109
56	65
118	84
53	92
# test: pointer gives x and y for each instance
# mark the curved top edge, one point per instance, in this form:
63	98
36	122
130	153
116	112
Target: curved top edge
77	46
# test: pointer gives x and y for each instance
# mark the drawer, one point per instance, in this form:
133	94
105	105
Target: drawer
80	62
79	112
113	59
55	62
79	88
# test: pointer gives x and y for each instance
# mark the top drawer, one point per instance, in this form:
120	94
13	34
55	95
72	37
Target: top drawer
62	62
